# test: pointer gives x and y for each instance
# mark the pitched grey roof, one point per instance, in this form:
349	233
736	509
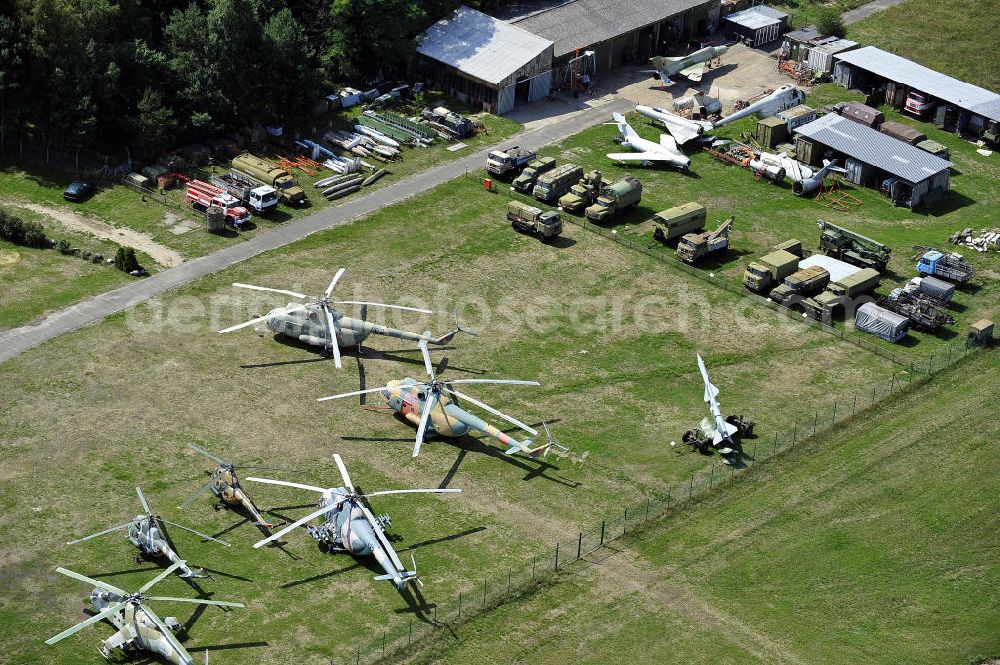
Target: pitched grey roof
899	69
480	45
757	17
582	23
872	147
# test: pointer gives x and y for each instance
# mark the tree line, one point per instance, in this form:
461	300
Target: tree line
150	74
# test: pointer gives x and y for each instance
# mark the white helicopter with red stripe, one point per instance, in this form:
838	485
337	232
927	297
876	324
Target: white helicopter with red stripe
349	526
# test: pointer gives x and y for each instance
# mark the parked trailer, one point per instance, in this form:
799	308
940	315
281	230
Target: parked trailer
880	322
940	289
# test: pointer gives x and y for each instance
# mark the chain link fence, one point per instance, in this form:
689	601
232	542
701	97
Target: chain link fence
767	442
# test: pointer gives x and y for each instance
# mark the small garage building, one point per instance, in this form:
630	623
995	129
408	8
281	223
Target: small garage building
485	61
909	175
757	25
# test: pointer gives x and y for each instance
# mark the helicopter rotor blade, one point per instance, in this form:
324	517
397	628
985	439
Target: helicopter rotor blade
380	535
425	415
201	490
100	533
343	473
198	601
380	304
167	633
294	525
245	324
197	533
333	282
352	393
427	358
264	288
142	498
162	576
88	622
430	491
285	483
506	382
495	412
89	580
332	331
214	458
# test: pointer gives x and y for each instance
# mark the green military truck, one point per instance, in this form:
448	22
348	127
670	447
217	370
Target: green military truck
615	199
526	181
550	186
529	219
256	171
763	274
837	294
583	193
802	283
673	223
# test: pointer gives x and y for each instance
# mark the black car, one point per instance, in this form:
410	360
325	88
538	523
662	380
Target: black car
78	191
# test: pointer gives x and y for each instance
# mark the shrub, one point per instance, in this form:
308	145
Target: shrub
125	260
64	247
828	22
21	232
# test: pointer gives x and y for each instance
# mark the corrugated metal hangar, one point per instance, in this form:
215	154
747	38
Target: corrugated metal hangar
483	60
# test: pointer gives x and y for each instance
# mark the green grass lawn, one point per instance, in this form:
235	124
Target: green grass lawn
36	281
875	542
611	335
957	38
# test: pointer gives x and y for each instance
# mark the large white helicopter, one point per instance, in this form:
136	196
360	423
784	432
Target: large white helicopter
148	533
432	407
318	324
139	628
349	526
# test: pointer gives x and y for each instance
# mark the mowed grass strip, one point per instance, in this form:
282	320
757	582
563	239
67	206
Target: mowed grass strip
875	542
95	412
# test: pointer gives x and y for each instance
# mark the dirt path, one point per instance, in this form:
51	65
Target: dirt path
165	256
864	11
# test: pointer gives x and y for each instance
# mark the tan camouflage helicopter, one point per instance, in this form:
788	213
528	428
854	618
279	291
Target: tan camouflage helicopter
349	526
432	406
318	324
148	533
225	484
139	628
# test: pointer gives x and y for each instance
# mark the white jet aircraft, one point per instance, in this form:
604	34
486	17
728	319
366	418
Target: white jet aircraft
647	152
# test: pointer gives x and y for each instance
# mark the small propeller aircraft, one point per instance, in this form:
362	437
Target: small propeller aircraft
691	66
432	407
225	484
349	526
647	152
139	628
148	533
318	324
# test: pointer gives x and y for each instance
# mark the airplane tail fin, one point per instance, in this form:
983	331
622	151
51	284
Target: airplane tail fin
623	125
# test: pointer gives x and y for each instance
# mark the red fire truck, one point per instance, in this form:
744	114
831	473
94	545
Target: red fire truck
202	195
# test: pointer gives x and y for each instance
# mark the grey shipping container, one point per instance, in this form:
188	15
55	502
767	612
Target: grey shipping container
881	322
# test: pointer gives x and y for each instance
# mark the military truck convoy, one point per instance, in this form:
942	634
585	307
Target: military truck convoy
768	271
529	219
550	186
583	193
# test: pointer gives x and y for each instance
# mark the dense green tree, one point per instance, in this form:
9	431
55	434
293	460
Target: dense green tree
235	47
829	22
12	71
370	38
154	124
293	78
203	108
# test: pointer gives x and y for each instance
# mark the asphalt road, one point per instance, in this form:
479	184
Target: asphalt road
18	340
864	11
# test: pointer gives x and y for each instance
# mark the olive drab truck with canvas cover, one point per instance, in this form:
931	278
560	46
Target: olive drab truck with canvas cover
526	181
671	224
583	193
614	199
550	186
768	271
529	219
247	167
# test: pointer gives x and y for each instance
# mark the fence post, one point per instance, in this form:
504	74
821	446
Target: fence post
855	407
557	556
484	594
508	582
753	455
579	545
358	659
459	604
625	522
646	519
930	364
775	449
911	372
533	566
602	533
834	419
691	488
670	490
409	637
815	420
795	431
873	395
383	640
711	477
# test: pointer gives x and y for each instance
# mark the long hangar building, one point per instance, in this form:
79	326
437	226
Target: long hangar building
499	64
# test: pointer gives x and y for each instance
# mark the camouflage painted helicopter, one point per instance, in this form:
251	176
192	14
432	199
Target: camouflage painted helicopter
225	484
432	407
139	628
318	324
349	526
148	533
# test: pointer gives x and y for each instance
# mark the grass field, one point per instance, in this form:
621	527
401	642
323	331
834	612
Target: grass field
956	38
875	542
611	335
